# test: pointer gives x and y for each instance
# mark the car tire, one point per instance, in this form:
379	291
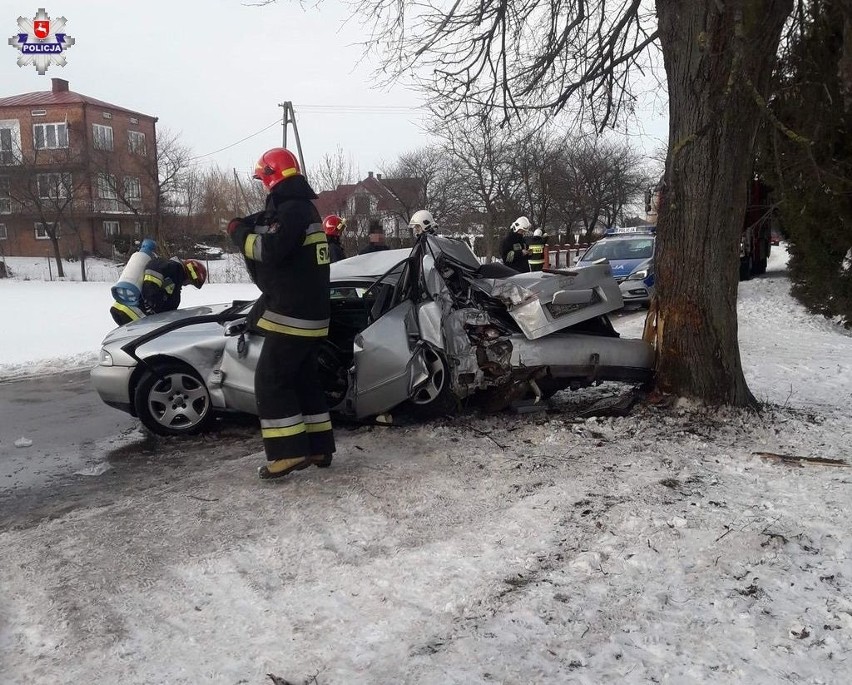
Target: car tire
745	268
435	398
173	401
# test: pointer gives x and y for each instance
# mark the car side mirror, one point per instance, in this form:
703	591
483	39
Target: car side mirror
233	328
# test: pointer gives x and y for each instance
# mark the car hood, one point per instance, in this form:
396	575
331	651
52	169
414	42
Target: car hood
147	324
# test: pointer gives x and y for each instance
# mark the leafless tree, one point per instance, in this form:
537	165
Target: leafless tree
535	159
158	194
519	57
333	170
480	151
597	179
436	185
50	187
223	195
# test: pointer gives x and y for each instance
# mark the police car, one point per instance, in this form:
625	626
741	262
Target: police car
630	252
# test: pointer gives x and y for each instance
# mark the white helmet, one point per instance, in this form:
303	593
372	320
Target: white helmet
422	221
521	224
537	233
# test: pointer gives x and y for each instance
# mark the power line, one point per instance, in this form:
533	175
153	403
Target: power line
241	140
322	109
393	109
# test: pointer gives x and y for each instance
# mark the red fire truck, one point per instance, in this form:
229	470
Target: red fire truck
756	240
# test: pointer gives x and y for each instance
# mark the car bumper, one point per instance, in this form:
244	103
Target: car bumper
635	291
113	385
575	355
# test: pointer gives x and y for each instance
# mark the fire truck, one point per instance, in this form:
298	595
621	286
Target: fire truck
756	239
756	235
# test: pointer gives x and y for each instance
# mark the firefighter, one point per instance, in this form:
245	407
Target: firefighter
513	249
334	227
537	245
287	256
422	222
161	286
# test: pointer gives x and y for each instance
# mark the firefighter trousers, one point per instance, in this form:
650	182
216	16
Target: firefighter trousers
125	313
294	419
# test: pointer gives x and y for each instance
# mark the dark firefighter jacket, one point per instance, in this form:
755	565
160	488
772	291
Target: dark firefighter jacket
511	250
535	247
335	249
287	256
161	285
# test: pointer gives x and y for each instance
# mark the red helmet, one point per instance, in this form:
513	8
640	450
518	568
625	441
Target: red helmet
275	165
196	272
334	225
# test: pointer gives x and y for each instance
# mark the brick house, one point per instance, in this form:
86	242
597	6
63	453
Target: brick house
75	172
389	201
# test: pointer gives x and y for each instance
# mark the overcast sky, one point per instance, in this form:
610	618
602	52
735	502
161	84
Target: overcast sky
216	70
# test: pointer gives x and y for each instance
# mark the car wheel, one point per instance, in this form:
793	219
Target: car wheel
434	397
745	268
173	401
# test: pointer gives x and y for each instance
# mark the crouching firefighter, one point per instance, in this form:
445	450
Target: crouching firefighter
286	253
161	287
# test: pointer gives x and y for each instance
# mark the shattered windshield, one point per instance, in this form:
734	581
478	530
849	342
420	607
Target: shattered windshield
614	250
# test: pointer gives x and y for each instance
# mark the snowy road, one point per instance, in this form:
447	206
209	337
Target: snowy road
64	420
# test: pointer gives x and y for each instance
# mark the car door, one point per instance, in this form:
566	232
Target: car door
386	359
239	360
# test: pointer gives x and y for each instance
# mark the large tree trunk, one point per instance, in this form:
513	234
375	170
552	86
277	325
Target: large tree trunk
715	95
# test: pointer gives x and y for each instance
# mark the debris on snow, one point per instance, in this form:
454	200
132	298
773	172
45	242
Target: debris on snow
96	470
23	442
795	460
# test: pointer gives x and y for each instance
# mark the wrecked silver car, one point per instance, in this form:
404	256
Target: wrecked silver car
426	328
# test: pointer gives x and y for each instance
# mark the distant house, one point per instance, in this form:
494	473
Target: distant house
75	172
390	201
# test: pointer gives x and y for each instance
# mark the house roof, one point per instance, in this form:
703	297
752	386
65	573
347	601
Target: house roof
393	194
68	97
333	201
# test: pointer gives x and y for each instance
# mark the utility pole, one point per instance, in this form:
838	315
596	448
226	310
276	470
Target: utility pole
239	185
289	117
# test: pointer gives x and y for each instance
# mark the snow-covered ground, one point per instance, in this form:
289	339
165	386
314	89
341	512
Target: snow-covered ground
58	325
505	549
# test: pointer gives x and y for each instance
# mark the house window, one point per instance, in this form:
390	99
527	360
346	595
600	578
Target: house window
107	194
111	228
54	186
138	227
3	234
41	232
102	136
136	142
10	141
50	136
5	196
133	191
